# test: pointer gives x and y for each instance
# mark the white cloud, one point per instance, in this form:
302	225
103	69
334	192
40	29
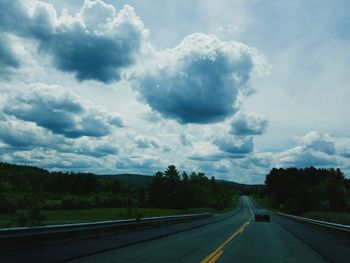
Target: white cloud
194	118
199	80
315	149
61	111
95	44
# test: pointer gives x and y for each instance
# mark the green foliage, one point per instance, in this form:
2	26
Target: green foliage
301	190
32	191
58	190
170	190
7	206
83	215
32	215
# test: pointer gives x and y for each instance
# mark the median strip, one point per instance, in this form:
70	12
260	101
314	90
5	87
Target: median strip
214	256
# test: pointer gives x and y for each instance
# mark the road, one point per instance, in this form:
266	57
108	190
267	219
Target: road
236	239
233	237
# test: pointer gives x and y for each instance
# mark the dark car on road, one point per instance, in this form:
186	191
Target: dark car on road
262	215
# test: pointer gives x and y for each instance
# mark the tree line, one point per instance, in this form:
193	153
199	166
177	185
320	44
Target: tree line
300	190
26	187
169	189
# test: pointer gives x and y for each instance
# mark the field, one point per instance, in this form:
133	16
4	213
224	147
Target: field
87	215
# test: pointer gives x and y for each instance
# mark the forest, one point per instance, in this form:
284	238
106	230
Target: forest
296	190
26	189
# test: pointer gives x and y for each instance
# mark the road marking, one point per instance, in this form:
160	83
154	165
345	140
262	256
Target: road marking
250	208
214	256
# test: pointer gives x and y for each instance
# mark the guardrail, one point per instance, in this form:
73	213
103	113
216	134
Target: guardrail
334	226
38	235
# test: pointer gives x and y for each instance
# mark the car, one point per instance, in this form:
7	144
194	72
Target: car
262	215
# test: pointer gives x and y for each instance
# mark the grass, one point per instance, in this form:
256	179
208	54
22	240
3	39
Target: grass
334	217
53	217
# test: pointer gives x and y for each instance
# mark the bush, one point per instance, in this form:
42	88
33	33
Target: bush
52	204
22	217
69	202
291	206
7	206
30	217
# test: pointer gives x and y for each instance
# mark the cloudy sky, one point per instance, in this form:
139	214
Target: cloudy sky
231	88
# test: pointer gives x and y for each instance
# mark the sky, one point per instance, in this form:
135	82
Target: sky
231	88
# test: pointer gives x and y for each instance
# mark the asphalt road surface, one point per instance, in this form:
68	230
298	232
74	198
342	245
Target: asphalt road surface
237	239
233	237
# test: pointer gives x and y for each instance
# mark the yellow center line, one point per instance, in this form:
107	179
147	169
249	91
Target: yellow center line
214	256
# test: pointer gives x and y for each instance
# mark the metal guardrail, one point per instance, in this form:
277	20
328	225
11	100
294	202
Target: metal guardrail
341	227
13	237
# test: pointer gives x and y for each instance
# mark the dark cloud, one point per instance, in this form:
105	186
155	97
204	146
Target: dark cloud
199	80
8	59
345	153
61	111
216	157
235	145
95	44
99	150
20	137
248	124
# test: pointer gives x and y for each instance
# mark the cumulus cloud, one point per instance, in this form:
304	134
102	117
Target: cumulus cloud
146	164
301	157
199	80
214	157
8	59
146	142
51	159
318	142
235	145
257	160
318	150
97	43
91	147
61	111
244	124
17	135
20	136
185	140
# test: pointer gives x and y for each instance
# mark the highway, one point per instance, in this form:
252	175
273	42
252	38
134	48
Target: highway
233	237
237	239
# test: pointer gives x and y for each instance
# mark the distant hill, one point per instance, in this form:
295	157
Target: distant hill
141	179
135	179
239	185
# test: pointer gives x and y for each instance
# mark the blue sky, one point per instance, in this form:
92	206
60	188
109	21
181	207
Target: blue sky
230	88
